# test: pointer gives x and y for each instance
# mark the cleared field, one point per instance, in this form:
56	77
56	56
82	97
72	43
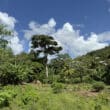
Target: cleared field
35	97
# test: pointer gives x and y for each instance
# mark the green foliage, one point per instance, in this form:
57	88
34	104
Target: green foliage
19	68
98	86
3	33
98	107
46	45
106	75
5	98
97	64
32	97
26	68
33	72
63	68
75	81
57	87
88	79
11	74
29	97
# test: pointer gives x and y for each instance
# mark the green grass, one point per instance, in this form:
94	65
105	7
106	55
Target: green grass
73	97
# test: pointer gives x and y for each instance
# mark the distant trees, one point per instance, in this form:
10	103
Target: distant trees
15	69
73	70
27	67
44	45
31	69
106	75
57	64
18	69
67	69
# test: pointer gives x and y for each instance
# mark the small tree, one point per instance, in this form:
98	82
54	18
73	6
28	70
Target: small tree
106	76
98	86
80	69
46	45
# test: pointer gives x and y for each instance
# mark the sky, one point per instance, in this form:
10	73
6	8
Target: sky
79	26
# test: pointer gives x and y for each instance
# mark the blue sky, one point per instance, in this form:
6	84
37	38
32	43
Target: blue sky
87	16
92	13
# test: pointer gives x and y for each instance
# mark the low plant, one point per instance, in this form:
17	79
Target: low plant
98	86
5	98
57	87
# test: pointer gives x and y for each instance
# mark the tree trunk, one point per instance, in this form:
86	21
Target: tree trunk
46	65
47	72
81	78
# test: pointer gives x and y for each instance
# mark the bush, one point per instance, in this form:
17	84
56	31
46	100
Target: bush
29	97
11	74
75	81
57	87
98	86
98	107
88	79
5	98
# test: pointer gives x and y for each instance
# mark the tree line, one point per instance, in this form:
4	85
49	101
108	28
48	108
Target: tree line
32	66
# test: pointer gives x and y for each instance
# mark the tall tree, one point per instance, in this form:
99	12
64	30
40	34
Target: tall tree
3	33
44	45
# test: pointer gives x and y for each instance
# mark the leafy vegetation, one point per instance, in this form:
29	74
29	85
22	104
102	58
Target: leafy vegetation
57	87
73	97
31	81
98	86
46	45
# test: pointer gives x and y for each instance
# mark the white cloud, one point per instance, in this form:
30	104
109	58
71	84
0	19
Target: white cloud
7	20
15	45
10	21
69	38
52	22
105	36
35	28
75	44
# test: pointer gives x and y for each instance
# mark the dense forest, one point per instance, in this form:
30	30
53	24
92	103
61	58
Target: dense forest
32	79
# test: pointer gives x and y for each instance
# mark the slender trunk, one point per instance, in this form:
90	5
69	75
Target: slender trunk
46	65
3	42
15	60
81	78
47	72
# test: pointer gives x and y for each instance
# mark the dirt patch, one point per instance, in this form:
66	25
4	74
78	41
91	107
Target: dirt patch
88	93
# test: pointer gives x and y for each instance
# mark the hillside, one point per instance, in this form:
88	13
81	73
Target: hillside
98	62
102	54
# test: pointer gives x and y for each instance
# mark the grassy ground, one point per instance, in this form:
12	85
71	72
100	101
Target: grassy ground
41	97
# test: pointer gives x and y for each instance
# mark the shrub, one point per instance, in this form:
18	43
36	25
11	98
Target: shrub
98	107
57	87
10	74
98	86
29	97
76	80
88	79
5	98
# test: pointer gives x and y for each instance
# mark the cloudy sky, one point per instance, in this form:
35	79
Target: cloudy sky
79	26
